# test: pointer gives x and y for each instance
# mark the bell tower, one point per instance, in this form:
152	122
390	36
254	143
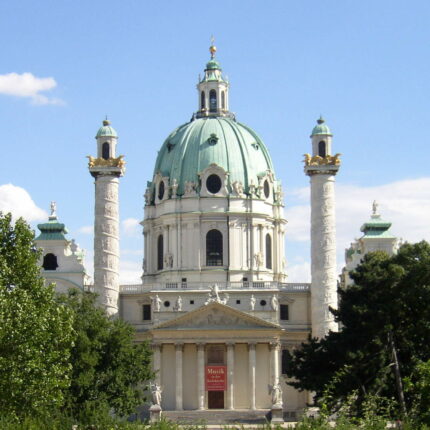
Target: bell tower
106	170
322	168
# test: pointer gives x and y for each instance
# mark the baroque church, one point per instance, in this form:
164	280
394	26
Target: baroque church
215	302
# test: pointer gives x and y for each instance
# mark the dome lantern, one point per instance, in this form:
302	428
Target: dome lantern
213	89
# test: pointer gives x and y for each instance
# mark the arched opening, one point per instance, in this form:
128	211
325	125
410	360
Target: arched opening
202	100
214	248
160	252
268	251
50	262
106	150
266	189
212	101
161	190
322	149
223	99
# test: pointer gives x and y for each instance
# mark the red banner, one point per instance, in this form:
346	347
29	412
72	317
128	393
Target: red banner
216	378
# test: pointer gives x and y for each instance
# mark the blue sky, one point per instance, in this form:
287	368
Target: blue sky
363	65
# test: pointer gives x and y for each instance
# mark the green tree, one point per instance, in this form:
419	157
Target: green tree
109	369
385	321
36	333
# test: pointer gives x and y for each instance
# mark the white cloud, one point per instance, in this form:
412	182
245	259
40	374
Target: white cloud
300	272
86	229
29	86
130	226
130	272
16	200
405	203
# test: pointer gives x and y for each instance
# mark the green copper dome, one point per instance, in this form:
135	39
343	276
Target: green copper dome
212	65
194	146
106	130
52	230
321	128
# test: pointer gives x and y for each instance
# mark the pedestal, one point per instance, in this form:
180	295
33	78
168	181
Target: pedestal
277	414
155	413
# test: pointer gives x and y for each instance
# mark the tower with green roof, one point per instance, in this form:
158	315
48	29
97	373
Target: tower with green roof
62	259
376	237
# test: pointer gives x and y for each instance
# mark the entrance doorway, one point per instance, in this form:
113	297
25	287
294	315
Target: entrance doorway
215	399
215	357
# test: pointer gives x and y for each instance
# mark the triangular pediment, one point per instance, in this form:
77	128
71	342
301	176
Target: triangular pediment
216	316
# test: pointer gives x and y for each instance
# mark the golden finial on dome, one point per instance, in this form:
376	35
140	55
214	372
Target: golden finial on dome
212	48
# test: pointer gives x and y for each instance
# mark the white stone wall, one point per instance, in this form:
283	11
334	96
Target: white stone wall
106	242
323	254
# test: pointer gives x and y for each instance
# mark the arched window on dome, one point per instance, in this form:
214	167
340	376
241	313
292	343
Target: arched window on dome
268	251
212	101
214	253
322	149
160	252
223	99
202	100
106	150
50	262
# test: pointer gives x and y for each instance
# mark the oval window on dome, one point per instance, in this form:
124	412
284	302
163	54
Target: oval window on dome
266	189
161	191
213	184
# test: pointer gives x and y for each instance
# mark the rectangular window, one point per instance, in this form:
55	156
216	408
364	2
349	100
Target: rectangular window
284	314
285	361
146	312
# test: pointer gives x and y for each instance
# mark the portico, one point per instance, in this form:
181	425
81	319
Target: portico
216	336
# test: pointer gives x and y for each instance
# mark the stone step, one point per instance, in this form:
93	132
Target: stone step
213	416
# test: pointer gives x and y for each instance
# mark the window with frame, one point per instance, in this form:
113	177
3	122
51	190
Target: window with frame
160	252
214	251
202	100
284	312
322	149
146	312
106	150
213	105
268	251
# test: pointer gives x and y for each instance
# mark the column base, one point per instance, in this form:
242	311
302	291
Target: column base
277	414
155	413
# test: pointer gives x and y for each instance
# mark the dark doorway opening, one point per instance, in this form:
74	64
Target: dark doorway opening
215	399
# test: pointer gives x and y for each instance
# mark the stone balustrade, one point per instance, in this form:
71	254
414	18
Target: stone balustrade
288	287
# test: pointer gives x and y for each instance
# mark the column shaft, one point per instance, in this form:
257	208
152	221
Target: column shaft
178	352
201	375
252	365
157	362
274	358
230	374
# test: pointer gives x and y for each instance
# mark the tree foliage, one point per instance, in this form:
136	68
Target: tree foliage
108	369
36	331
386	311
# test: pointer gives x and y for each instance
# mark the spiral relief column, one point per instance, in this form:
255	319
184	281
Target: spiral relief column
322	168
106	170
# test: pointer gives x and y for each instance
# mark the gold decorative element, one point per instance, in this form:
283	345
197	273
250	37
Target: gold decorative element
316	160
110	162
212	48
